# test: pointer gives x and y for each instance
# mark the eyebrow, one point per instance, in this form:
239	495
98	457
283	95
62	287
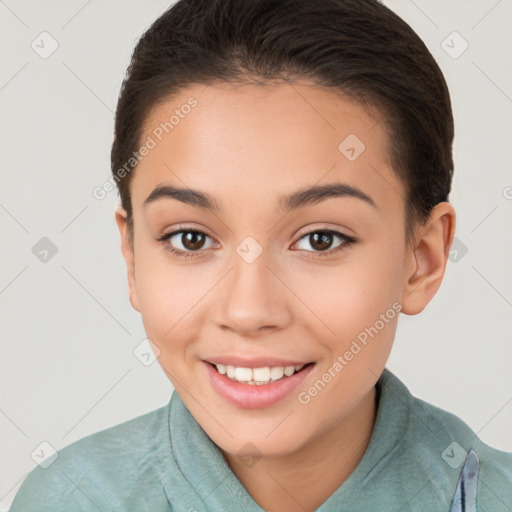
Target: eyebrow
318	193
185	195
301	198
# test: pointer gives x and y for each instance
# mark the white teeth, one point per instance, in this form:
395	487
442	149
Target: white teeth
261	374
289	370
276	372
243	374
257	376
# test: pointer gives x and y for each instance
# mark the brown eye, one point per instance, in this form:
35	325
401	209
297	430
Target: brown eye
320	241
192	240
186	242
324	242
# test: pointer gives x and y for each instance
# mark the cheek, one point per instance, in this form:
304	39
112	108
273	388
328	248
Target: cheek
351	294
167	294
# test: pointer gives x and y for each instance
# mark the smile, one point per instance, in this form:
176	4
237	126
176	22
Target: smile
257	386
257	376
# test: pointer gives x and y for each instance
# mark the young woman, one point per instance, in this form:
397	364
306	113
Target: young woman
284	170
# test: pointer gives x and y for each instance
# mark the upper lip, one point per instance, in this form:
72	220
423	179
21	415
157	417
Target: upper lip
254	362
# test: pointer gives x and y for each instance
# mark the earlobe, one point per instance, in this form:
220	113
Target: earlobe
429	257
127	250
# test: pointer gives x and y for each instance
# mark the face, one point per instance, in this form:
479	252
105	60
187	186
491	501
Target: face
254	273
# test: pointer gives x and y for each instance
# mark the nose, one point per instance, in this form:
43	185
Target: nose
253	299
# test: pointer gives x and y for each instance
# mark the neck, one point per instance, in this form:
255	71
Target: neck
301	481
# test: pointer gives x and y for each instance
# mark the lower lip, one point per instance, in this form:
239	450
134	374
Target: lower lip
251	396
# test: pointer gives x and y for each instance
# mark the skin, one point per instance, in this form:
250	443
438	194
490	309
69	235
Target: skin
247	147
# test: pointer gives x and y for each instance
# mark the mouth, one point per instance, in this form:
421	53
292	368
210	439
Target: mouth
256	386
258	376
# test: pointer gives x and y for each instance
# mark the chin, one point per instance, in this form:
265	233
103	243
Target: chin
252	444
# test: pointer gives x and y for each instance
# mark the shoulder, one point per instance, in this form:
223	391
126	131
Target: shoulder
102	471
439	442
455	439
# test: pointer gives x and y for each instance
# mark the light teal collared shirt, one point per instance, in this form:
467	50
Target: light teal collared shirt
417	460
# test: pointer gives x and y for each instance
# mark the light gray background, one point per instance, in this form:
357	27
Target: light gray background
68	330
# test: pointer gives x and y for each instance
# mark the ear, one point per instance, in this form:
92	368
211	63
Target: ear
428	259
128	254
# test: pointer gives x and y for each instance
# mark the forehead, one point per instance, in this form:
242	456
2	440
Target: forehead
265	141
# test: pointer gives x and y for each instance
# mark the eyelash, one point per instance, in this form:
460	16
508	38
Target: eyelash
347	241
182	254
